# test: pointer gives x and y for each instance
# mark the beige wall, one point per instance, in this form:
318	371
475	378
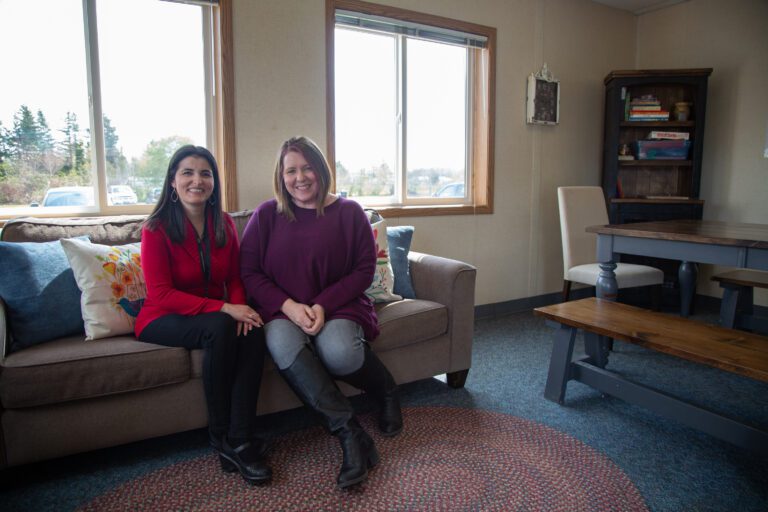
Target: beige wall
732	38
280	91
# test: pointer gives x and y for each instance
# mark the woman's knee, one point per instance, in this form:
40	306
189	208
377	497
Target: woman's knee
219	328
284	341
340	347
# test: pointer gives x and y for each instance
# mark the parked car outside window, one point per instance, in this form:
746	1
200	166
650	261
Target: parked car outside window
451	190
121	194
68	196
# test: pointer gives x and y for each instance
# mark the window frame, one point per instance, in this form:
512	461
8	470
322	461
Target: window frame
220	124
481	116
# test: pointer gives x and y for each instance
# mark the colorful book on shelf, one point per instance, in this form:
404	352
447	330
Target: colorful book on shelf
644	108
656	134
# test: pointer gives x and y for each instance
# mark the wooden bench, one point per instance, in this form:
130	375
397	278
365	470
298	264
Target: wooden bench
736	307
735	351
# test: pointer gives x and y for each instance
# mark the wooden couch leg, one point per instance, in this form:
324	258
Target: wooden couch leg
456	380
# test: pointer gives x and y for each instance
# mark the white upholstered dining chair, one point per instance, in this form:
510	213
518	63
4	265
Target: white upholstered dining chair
581	207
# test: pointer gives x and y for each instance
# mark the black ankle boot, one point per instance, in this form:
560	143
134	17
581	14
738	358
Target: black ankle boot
374	378
247	458
314	386
261	448
360	455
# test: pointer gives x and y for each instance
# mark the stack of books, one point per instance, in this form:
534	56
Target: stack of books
646	108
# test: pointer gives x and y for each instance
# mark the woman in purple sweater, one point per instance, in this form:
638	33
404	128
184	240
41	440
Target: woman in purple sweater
307	258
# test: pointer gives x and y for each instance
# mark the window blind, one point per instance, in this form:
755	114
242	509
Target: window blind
410	29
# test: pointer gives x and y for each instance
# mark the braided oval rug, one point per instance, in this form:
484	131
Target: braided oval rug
445	459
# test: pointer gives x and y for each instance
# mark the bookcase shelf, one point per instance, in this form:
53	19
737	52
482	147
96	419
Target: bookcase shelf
658	124
655	163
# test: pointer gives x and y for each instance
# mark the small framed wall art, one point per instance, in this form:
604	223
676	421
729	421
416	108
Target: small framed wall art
543	100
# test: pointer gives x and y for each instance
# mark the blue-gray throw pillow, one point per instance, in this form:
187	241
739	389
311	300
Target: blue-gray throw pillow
42	301
399	241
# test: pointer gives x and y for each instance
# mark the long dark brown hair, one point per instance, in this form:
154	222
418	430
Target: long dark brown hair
316	159
170	214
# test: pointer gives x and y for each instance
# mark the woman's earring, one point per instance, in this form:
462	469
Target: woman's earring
174	196
211	200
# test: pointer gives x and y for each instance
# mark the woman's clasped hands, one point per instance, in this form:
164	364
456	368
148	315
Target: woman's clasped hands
311	319
247	318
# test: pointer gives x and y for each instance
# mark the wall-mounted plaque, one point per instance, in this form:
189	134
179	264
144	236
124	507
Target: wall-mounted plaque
543	98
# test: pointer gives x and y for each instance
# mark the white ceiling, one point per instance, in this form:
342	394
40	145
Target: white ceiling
639	6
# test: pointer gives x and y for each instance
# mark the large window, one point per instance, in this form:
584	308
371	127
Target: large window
410	109
98	94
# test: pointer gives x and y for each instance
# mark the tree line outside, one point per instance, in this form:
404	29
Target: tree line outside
379	181
34	158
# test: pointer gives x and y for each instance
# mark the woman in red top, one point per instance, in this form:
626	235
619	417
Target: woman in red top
195	299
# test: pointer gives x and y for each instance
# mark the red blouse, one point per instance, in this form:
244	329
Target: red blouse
174	276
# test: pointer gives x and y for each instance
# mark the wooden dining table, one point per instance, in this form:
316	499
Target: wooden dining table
731	244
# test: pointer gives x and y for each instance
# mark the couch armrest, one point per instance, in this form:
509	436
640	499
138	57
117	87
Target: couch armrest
452	283
5	337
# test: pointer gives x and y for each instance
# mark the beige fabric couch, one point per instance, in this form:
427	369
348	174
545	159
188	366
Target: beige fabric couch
70	395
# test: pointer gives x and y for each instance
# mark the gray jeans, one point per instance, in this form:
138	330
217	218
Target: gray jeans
339	344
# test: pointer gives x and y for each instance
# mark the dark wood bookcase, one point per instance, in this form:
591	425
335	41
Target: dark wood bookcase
659	189
646	190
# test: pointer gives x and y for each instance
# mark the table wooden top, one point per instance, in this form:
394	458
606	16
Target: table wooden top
698	231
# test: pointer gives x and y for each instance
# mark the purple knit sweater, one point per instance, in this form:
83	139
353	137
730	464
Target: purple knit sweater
328	260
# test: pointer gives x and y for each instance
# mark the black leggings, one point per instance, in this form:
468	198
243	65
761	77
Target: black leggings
232	366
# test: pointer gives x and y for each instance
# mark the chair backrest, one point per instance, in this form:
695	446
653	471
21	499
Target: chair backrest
580	207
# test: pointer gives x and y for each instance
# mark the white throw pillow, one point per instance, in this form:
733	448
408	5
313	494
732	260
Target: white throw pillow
112	284
381	290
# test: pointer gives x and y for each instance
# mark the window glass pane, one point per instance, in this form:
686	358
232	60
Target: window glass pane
44	119
153	91
366	115
436	121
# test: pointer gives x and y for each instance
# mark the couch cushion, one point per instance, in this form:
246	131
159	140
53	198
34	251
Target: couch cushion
40	293
121	229
407	321
399	240
112	284
72	368
383	277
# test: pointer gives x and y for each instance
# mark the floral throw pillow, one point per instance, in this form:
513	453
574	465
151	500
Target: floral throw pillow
381	289
112	285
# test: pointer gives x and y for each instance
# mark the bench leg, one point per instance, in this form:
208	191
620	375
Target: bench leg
687	275
560	364
597	348
728	306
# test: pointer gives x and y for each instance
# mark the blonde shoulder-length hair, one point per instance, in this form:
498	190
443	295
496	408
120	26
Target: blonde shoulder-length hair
316	159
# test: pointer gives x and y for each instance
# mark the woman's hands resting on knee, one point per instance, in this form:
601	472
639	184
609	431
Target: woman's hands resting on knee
310	319
247	318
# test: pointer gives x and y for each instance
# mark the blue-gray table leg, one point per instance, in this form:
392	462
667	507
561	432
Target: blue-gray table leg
687	275
606	287
560	364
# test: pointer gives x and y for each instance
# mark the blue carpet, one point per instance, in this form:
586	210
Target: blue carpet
674	467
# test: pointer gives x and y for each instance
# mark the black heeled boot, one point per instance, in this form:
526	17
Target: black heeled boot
247	458
374	378
314	386
244	455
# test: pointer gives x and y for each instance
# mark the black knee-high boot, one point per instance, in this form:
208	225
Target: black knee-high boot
314	386
374	378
